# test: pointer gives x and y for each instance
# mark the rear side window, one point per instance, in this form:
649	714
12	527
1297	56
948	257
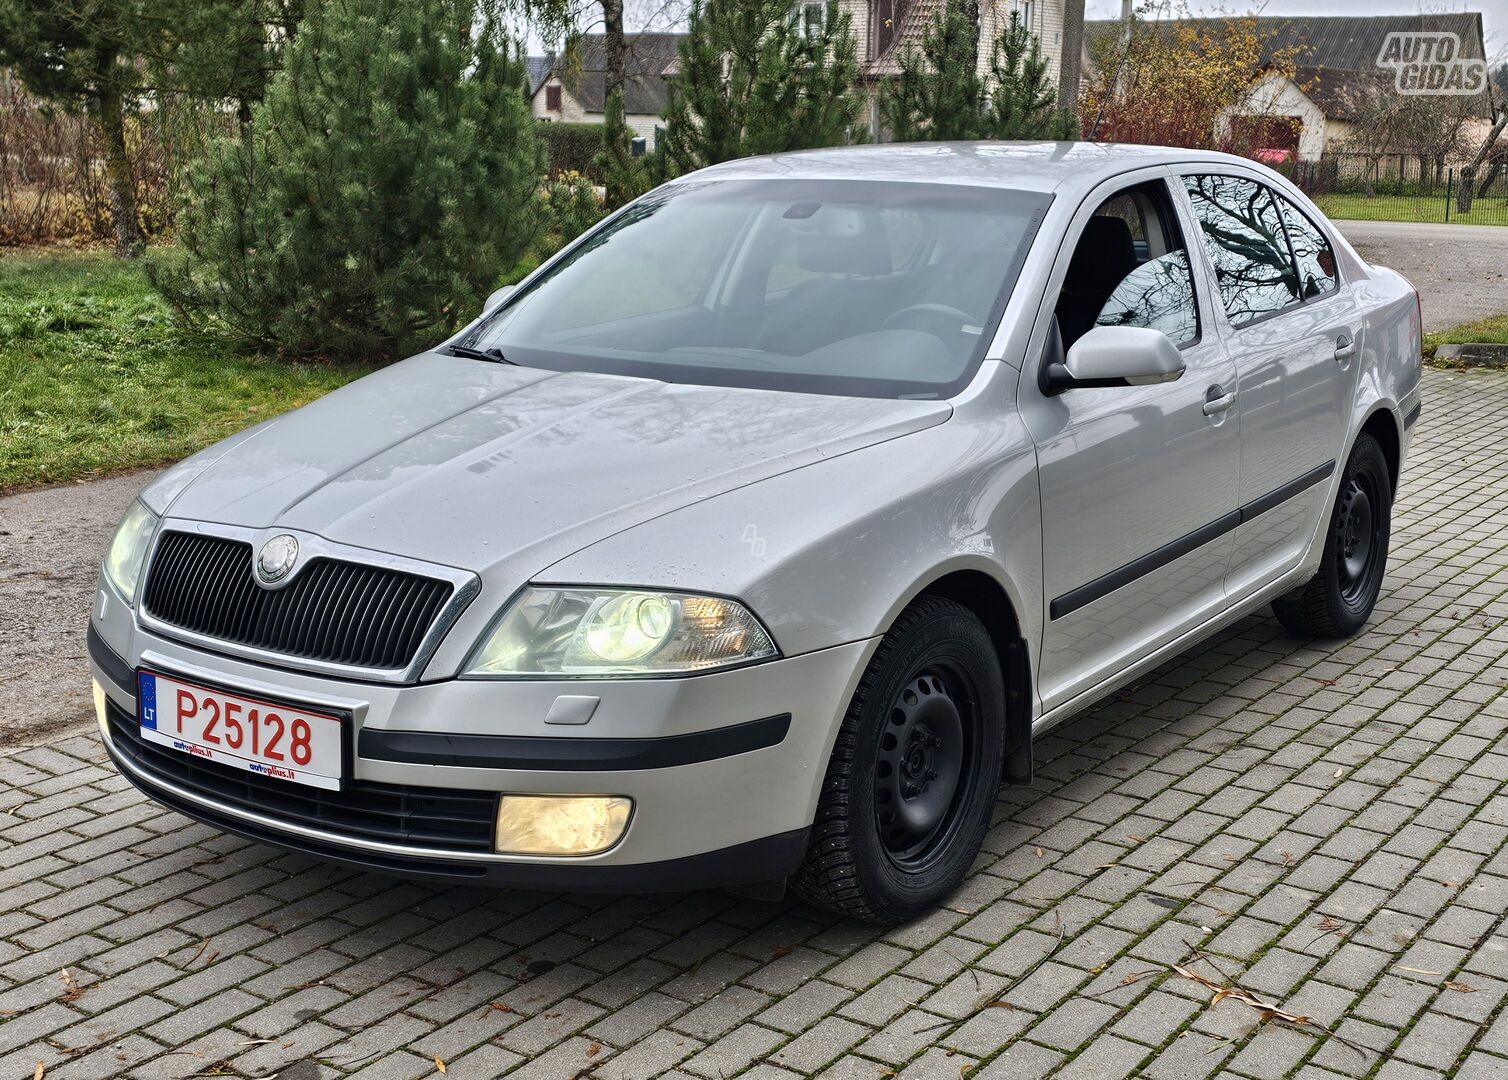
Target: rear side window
1312	252
1243	233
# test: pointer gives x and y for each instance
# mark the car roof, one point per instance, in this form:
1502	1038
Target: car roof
1022	166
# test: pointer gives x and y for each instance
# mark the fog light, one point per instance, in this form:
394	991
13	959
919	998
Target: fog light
561	824
99	709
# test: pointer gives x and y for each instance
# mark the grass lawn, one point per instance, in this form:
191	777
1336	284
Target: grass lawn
1411	208
94	378
1490	331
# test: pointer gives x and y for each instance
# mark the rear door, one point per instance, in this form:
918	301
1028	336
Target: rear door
1293	330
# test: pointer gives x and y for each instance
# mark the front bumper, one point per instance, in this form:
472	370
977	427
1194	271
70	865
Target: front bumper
724	769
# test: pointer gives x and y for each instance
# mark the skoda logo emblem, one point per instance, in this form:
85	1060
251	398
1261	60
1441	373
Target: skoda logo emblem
275	560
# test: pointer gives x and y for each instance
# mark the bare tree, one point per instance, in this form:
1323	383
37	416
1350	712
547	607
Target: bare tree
1489	148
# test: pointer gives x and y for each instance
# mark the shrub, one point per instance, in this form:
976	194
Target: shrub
386	181
571	148
572	206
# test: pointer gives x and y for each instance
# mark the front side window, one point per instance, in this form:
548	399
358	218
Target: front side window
1244	236
865	288
1312	252
1130	267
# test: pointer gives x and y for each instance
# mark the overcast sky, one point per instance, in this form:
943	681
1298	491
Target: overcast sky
1494	12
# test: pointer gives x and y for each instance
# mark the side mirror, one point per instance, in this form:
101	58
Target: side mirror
1116	356
496	298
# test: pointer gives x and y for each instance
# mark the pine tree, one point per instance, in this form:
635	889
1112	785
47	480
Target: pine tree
1023	100
386	180
938	95
84	56
624	177
755	79
219	50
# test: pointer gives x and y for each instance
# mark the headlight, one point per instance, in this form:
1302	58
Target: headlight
128	549
602	632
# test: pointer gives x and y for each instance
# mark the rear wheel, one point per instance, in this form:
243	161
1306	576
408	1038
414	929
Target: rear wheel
1338	600
912	780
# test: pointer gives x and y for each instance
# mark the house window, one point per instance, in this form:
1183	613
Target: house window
810	18
552	98
1027	9
886	14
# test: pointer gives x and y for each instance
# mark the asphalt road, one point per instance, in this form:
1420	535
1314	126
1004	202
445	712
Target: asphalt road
50	546
1460	270
51	540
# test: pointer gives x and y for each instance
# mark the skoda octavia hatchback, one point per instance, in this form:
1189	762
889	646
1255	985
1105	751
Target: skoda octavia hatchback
751	539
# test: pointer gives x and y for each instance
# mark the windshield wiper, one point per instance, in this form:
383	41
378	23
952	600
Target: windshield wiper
492	352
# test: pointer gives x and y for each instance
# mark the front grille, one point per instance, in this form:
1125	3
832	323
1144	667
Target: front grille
333	611
441	818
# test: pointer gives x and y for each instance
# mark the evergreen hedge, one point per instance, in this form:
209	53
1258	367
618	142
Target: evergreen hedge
572	147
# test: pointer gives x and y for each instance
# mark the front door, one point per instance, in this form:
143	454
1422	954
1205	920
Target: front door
1138	483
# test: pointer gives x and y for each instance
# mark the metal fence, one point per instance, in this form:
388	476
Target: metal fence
1402	187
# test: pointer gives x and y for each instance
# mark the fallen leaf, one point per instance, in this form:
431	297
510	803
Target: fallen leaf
782	950
594	1049
1460	987
1266	1010
72	991
439	1063
40	1069
1339	773
1039	853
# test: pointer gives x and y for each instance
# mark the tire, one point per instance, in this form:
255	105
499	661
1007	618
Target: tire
912	780
1338	600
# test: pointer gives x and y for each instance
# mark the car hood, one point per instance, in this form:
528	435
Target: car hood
468	463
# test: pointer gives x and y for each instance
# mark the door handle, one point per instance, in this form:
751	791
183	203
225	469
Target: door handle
1345	348
1217	401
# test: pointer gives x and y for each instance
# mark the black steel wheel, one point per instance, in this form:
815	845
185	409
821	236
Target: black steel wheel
1357	534
934	727
912	780
1338	600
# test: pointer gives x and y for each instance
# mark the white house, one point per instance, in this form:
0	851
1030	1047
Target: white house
576	93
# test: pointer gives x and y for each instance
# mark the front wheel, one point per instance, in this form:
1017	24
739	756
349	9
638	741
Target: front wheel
909	790
1338	600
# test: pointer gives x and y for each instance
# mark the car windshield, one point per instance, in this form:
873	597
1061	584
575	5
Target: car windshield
861	288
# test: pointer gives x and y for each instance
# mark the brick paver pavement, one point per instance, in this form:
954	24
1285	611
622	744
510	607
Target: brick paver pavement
1320	824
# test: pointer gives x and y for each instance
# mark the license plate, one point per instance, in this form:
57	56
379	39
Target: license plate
258	736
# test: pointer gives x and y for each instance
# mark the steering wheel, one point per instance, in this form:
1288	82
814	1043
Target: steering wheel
940	320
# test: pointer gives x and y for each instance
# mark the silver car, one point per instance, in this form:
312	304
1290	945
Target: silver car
753	538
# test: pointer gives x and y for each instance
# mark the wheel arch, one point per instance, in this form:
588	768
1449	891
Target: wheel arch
988	599
1383	425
